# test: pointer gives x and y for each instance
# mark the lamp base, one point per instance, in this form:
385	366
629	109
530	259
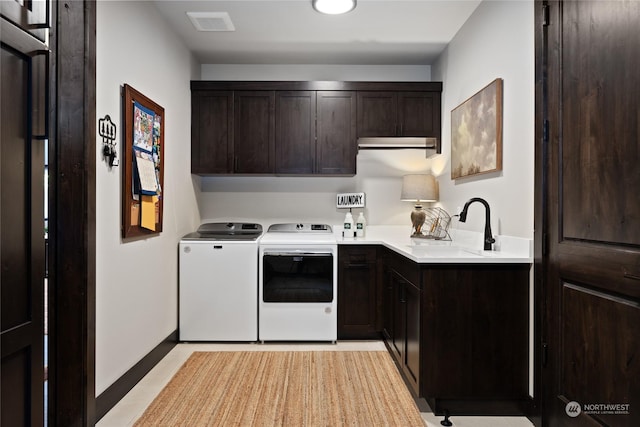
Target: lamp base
418	216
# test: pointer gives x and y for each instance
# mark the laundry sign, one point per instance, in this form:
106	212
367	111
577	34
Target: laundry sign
350	200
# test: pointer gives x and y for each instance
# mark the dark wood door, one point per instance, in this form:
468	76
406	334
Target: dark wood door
419	114
254	137
357	288
588	57
295	132
377	114
336	147
22	244
211	132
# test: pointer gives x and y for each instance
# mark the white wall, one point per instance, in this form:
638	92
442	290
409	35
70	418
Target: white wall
136	281
496	41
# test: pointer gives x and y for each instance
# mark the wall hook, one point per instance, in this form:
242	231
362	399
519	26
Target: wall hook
107	130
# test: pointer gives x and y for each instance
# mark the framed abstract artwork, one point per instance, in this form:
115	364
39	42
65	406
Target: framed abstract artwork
476	133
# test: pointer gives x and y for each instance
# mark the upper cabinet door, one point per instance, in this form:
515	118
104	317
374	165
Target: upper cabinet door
31	16
295	132
393	114
336	147
211	132
254	137
377	114
419	114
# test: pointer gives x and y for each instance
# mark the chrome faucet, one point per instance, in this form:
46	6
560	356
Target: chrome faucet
488	237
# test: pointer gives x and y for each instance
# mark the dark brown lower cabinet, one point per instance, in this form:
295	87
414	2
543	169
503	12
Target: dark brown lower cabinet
475	322
401	314
357	292
459	333
405	341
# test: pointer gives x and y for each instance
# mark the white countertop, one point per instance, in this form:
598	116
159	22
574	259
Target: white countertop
466	247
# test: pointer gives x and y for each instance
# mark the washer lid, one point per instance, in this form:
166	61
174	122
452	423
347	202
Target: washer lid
226	231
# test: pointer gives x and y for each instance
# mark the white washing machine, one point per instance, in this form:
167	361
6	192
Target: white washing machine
218	282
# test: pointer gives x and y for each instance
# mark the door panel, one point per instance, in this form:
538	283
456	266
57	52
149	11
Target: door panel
336	133
295	132
254	137
377	114
399	318
599	51
21	246
212	132
419	114
598	361
591	211
30	15
413	335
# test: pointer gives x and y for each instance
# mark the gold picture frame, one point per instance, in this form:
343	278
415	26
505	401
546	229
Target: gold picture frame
476	133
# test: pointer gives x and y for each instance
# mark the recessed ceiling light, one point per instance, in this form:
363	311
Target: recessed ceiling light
334	7
211	21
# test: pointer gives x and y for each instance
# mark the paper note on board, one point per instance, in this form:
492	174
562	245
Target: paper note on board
146	172
148	212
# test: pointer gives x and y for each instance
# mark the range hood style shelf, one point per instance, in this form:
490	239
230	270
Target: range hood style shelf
430	145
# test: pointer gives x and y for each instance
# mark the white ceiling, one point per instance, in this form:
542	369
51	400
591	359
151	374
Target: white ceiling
391	32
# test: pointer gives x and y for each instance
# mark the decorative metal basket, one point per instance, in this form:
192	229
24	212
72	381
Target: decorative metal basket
436	224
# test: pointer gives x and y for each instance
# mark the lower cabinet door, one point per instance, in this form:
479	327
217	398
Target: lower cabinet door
398	339
412	328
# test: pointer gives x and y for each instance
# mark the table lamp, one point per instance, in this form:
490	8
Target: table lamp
419	188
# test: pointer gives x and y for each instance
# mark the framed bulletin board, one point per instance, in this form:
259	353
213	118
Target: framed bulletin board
143	171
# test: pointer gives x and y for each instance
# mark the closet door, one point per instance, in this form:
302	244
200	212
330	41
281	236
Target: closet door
588	55
22	234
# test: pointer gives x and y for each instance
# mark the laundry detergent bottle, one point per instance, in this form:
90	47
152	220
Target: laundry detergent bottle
348	228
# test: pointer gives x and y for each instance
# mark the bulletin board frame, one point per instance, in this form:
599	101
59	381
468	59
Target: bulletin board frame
143	132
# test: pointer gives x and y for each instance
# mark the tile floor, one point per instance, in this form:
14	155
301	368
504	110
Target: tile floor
131	407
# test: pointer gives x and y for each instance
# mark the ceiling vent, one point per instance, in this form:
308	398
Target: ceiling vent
211	21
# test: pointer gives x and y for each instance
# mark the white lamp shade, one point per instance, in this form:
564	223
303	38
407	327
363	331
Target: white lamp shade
419	188
334	7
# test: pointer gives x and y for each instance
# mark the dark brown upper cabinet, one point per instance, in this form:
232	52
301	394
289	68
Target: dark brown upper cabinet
212	132
336	141
254	149
302	128
295	132
399	114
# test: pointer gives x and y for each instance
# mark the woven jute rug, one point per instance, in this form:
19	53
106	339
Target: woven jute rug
293	388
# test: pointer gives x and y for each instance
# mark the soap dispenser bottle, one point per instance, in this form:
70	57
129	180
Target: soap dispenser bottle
361	223
348	226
